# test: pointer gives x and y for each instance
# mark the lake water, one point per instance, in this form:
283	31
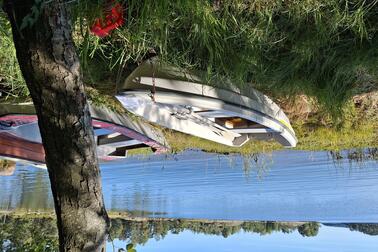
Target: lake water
281	186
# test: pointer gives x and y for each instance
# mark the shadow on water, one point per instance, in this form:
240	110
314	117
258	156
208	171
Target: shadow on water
30	233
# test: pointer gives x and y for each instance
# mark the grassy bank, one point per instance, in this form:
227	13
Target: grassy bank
324	50
315	128
317	139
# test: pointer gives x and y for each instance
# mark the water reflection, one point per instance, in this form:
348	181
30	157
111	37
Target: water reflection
28	188
282	186
27	233
355	155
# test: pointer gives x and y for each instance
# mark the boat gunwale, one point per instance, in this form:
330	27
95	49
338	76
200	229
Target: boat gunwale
137	130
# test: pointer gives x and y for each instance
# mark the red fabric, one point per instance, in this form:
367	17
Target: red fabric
113	19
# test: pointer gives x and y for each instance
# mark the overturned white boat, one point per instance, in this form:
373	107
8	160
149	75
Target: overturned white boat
179	101
115	133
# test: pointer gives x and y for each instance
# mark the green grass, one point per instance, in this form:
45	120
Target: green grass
309	138
327	50
179	142
326	138
12	84
323	49
320	48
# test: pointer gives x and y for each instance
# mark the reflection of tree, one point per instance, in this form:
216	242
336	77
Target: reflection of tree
34	234
139	232
34	194
366	228
309	229
40	233
28	234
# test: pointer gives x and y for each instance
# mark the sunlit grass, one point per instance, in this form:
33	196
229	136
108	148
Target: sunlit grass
327	138
322	49
317	48
12	84
179	142
315	139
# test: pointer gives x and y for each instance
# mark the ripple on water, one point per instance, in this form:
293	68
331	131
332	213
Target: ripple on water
284	185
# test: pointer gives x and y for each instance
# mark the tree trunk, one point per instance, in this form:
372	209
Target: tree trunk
51	68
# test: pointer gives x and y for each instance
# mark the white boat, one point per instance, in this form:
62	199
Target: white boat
180	101
115	133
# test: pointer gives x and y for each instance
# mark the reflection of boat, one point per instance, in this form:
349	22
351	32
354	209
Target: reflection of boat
114	133
179	101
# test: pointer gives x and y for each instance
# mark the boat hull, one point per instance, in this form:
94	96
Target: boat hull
115	133
179	101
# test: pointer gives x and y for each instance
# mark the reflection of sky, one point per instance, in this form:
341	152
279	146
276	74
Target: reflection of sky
28	188
286	185
329	239
289	185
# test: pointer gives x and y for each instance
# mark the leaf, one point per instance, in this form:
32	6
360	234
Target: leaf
129	246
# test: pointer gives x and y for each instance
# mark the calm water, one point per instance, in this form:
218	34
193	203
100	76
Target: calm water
282	186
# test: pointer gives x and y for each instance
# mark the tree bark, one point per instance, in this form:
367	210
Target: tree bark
51	68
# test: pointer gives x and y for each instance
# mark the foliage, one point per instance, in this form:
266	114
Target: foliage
28	234
309	229
366	228
315	47
12	83
39	233
139	232
321	48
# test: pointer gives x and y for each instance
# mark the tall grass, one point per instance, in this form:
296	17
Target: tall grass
315	47
12	84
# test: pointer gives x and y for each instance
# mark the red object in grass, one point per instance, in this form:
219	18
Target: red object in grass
113	19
